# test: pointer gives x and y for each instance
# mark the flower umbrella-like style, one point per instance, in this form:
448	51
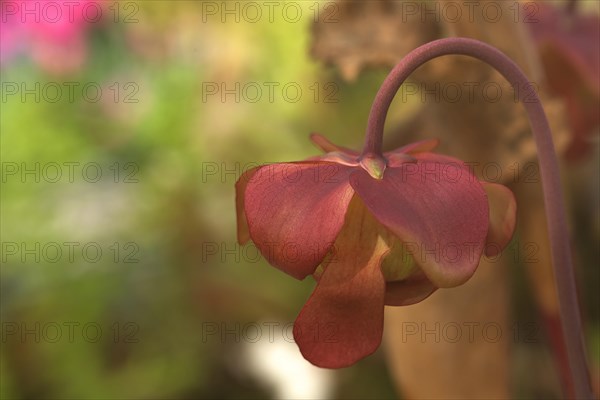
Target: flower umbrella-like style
373	230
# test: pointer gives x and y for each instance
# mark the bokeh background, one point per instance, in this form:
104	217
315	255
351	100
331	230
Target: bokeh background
124	127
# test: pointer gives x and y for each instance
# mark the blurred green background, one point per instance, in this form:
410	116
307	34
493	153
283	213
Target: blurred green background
146	172
121	276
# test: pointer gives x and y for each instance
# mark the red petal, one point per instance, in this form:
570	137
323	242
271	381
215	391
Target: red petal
342	321
295	211
503	217
437	208
243	235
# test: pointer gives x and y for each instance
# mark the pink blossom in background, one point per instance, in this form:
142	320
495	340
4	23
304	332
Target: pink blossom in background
569	43
51	33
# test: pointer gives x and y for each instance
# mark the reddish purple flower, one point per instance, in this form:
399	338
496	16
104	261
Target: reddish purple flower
373	232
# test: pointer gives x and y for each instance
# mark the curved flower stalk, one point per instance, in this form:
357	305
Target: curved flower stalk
390	228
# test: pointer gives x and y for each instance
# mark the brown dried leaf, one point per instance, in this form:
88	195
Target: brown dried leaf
362	34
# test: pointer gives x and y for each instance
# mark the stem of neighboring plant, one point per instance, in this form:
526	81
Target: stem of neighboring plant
553	198
571	7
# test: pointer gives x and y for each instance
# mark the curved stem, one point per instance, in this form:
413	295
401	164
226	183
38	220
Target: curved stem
553	198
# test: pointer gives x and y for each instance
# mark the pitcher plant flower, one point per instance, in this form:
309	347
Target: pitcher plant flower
373	230
378	229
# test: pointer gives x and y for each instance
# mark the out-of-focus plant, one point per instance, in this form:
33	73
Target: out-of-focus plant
568	42
57	42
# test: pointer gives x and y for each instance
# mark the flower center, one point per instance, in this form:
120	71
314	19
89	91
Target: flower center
374	165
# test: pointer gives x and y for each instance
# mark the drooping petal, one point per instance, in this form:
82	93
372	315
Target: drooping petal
503	217
438	209
342	321
337	157
327	146
405	282
295	211
243	235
